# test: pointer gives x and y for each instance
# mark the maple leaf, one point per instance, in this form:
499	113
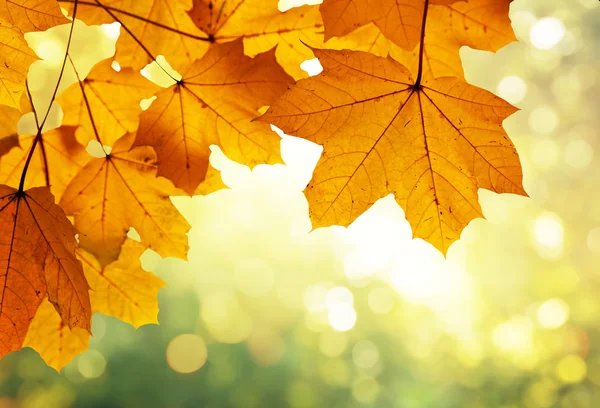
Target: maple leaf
15	59
112	294
106	103
449	25
431	144
16	18
37	259
8	129
155	27
183	30
31	15
229	88
57	161
262	26
55	342
113	193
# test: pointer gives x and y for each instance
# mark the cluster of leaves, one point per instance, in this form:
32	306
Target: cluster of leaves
405	124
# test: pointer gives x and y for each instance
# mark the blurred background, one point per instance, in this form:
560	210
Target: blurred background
268	314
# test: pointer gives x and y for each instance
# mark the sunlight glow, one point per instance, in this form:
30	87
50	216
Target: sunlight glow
315	298
514	335
543	119
342	317
548	230
546	33
112	30
553	313
50	51
312	67
512	88
160	76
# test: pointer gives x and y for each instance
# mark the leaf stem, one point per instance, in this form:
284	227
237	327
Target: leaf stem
40	126
145	20
422	46
87	105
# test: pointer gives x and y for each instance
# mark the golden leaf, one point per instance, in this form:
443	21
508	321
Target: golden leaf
113	99
450	24
8	129
55	342
57	159
112	293
111	194
163	27
431	145
214	103
31	15
15	59
262	26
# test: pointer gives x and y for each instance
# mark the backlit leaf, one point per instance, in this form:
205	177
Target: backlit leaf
214	103
37	259
113	193
432	146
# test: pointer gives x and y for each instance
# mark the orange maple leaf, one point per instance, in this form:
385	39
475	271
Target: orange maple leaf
431	144
183	30
229	88
444	26
37	259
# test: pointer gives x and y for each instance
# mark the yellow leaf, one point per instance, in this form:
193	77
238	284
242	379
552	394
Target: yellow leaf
111	194
8	129
58	157
112	292
31	15
162	26
113	99
262	26
450	24
214	103
432	145
15	59
55	342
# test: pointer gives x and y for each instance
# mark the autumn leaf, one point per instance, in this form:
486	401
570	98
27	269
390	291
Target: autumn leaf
57	161
262	26
449	25
214	103
8	129
37	259
112	293
15	59
31	15
159	27
119	191
431	144
55	342
106	102
16	18
183	30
